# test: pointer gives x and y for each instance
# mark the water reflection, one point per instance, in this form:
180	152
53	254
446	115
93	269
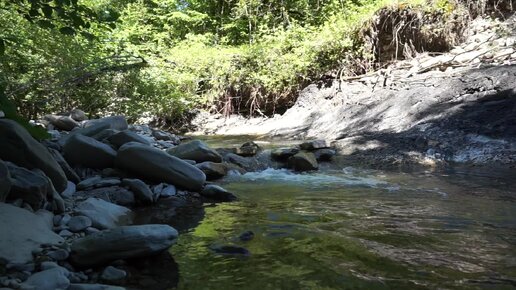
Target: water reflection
353	229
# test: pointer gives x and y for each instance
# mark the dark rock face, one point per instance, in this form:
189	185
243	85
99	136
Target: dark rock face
30	186
325	154
122	243
23	150
195	150
303	161
69	172
218	193
213	170
126	136
113	122
5	181
248	149
140	189
157	165
86	151
114	194
282	154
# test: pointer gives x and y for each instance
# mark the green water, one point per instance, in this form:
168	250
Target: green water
356	229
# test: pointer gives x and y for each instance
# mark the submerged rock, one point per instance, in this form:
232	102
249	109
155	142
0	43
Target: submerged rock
86	151
217	193
195	150
23	150
230	250
246	236
22	233
157	165
122	243
103	214
303	161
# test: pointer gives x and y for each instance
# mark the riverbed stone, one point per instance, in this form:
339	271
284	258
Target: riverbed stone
65	123
248	149
154	164
314	145
79	223
51	279
195	150
217	193
325	154
112	274
213	170
94	287
122	243
282	154
103	214
69	172
126	136
22	233
113	122
303	161
5	181
230	250
168	191
30	186
140	189
19	147
78	115
88	152
69	191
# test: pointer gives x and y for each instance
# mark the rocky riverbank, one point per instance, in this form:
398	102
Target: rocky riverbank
435	109
75	210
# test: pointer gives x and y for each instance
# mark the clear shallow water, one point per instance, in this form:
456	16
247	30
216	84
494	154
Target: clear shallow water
356	229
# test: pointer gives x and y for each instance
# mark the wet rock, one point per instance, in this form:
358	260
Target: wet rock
78	115
303	161
113	122
5	181
325	154
195	150
93	287
79	223
141	190
30	186
126	136
230	250
217	193
112	274
122	243
69	172
62	122
313	145
248	149
157	165
213	170
103	214
86	151
27	231
51	279
246	236
238	160
23	150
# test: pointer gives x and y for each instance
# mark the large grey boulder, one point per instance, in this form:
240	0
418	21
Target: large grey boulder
22	233
303	161
51	279
69	172
114	122
23	150
28	185
88	152
195	150
122	243
282	154
157	165
103	214
126	136
5	181
248	149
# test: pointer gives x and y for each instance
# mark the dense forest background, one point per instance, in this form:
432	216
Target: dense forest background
162	58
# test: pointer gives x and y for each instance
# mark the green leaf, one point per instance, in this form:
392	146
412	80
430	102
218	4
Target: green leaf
67	30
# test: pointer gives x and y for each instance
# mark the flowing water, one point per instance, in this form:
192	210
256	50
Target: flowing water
357	229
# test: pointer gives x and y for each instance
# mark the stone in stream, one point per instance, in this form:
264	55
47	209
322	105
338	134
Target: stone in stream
195	150
154	164
246	236
313	145
113	122
88	152
65	123
217	193
282	154
303	161
103	214
22	233
213	170
79	223
248	149
51	279
19	147
69	172
126	136
122	243
141	190
5	181
325	154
